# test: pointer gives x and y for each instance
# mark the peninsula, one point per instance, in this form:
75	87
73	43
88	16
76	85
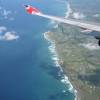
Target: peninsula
79	57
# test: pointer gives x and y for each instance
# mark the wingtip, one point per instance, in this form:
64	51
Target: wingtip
25	5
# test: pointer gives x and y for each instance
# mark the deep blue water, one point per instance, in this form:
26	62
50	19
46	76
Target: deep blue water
26	69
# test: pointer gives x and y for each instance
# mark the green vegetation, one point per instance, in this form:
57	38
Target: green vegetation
81	63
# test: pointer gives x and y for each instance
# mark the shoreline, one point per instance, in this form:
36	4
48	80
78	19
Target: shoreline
75	65
55	58
72	63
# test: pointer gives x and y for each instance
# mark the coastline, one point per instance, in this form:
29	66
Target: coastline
72	61
64	79
78	60
77	57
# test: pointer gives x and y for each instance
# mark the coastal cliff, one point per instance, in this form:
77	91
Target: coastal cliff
79	56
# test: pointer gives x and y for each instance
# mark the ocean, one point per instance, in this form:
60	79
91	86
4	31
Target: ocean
27	67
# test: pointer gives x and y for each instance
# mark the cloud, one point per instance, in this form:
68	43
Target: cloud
90	46
53	23
96	15
8	36
2	29
69	10
78	15
6	14
70	13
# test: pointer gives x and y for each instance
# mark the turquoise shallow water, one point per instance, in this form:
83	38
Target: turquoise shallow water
27	71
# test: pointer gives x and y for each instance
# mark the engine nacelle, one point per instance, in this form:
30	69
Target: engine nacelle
98	38
99	42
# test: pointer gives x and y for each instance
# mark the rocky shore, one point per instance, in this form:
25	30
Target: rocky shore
79	57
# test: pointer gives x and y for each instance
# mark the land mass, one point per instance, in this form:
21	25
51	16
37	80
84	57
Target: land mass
79	57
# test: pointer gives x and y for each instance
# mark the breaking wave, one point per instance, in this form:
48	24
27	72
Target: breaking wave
55	58
52	48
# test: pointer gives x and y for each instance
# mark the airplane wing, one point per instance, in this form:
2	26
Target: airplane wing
88	26
84	25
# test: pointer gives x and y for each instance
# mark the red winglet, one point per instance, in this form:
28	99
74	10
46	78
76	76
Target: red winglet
32	10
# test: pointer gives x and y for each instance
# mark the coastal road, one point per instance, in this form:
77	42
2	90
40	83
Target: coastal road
85	25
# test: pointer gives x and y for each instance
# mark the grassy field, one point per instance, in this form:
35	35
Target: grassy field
80	58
